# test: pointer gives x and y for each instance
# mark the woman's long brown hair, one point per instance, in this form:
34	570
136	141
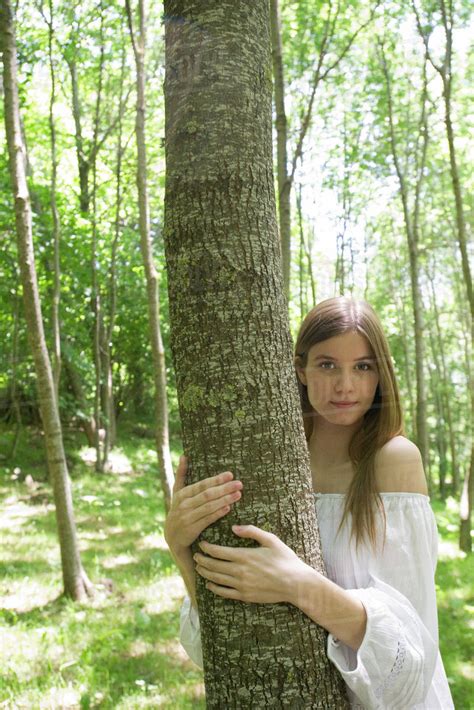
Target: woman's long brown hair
382	421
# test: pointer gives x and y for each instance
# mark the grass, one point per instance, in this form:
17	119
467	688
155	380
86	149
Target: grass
121	650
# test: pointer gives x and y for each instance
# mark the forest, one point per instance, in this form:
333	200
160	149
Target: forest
110	111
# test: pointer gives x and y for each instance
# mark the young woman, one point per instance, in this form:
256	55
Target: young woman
378	533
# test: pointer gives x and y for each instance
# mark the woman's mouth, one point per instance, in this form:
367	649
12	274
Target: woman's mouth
343	405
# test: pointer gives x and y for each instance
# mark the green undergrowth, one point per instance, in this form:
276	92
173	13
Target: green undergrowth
120	650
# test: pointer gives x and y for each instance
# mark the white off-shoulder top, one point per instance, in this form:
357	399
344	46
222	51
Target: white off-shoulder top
398	665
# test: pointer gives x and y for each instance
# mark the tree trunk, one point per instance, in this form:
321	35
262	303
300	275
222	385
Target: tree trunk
96	295
75	381
399	299
231	344
437	385
303	285
159	366
460	219
13	389
445	392
412	235
281	125
76	584
55	214
109	403
83	161
324	65
465	538
444	70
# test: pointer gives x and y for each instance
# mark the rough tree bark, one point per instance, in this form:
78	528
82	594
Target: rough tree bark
165	468
231	344
76	584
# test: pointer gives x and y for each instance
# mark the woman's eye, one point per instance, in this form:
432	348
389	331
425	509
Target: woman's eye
364	366
327	365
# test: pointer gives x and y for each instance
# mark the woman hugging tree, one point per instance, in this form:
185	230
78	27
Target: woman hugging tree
378	532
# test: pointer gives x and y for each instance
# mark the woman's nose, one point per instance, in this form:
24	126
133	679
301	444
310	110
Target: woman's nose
344	381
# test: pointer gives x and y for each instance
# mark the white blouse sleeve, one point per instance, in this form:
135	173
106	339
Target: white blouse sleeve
190	632
394	665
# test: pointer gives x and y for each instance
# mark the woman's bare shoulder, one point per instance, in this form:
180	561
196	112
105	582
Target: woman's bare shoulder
399	467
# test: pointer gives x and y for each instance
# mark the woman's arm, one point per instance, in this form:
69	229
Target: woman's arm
193	508
273	573
185	564
330	606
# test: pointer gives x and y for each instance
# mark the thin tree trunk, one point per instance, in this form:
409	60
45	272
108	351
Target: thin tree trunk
96	296
323	67
412	234
13	389
436	386
109	404
309	258
467	498
159	366
303	285
83	161
307	247
281	125
407	359
445	72
231	344
75	380
56	364
76	584
460	219
446	396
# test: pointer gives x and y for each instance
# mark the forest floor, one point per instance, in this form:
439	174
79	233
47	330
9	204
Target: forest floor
121	649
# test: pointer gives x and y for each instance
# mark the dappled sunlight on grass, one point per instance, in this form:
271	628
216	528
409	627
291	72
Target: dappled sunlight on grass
119	650
118	561
16	513
118	462
152	542
164	595
53	698
28	593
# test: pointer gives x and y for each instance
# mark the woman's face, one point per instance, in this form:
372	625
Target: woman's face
341	376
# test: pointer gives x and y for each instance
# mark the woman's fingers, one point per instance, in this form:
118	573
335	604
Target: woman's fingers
207	520
195	489
222	496
200	504
216	577
211	512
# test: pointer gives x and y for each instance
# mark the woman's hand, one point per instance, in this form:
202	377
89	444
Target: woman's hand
264	574
196	506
